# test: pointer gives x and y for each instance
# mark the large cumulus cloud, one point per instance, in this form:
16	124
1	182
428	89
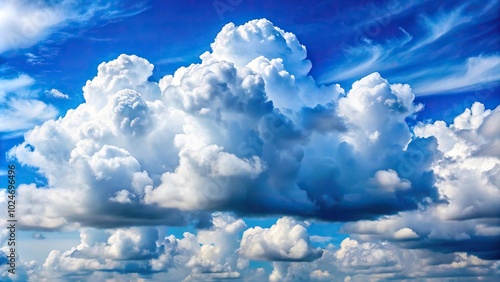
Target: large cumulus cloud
246	130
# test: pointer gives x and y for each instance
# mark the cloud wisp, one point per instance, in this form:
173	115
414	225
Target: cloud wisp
419	49
25	23
20	108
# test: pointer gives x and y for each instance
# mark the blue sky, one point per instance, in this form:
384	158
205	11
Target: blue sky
290	140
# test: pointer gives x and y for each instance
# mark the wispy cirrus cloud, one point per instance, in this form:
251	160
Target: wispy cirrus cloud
19	84
480	70
421	52
25	23
20	108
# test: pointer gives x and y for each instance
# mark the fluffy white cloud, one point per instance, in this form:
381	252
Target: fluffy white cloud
221	135
278	57
365	166
389	180
405	233
210	254
245	43
56	94
287	240
467	179
374	261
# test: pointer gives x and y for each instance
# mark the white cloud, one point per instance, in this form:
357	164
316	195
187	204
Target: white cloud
287	240
23	114
20	108
210	254
25	23
389	181
377	48
19	85
466	178
405	233
56	94
210	137
365	261
320	239
278	57
441	24
245	43
476	71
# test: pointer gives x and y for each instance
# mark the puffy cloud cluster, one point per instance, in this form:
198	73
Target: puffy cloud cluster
467	177
287	240
380	261
222	252
245	130
363	171
210	254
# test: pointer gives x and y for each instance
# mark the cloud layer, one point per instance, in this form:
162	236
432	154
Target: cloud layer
248	131
222	252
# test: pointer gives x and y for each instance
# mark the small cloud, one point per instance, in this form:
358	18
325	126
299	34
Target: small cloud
320	239
287	240
171	60
38	236
56	94
405	234
32	59
122	196
41	55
